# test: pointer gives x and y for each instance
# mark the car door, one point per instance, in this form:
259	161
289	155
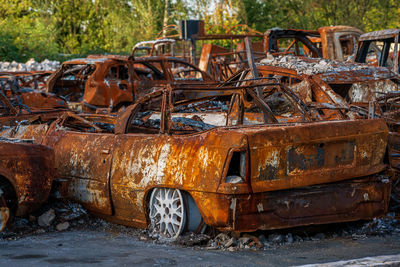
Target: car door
82	161
148	76
119	81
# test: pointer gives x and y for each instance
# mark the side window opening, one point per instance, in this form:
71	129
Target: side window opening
148	72
147	117
119	72
72	81
347	43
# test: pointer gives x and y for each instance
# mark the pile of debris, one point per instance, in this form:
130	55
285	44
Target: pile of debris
265	240
53	216
30	65
309	66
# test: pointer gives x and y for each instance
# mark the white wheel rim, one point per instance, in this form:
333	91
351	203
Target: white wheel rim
167	212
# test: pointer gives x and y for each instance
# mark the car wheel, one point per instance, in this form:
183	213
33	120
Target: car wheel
167	212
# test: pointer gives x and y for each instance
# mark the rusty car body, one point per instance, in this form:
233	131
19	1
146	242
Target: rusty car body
380	48
331	82
338	88
175	162
117	81
26	175
16	99
333	42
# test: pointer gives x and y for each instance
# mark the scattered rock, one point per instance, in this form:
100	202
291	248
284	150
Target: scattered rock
318	236
62	226
47	218
276	238
243	241
255	241
30	65
289	238
231	242
262	238
231	249
222	237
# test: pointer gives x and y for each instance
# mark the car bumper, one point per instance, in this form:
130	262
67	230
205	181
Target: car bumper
363	198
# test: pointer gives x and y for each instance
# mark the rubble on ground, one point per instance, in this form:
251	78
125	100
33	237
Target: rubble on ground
30	65
271	239
58	216
309	66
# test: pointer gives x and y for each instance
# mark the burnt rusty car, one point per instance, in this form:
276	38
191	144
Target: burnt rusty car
332	83
333	42
15	99
117	81
26	175
25	105
380	48
337	88
228	160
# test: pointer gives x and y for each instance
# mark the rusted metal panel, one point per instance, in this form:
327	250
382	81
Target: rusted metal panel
29	168
381	34
364	198
285	159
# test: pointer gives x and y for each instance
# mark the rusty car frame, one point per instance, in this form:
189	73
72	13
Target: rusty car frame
226	159
113	82
332	42
380	48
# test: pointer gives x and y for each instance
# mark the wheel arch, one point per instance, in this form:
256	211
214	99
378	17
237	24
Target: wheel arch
9	177
14	193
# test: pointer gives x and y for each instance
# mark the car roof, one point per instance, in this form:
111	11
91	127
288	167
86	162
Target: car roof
382	34
328	70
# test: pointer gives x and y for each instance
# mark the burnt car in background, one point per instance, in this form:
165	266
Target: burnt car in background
332	84
380	48
226	159
114	82
24	105
15	99
333	42
26	175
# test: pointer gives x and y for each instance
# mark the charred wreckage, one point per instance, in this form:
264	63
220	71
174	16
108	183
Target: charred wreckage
288	139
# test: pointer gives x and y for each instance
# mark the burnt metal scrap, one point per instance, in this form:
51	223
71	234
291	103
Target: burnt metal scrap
225	158
17	100
333	42
113	82
26	175
380	48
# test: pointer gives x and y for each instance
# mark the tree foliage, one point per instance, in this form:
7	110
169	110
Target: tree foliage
47	28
